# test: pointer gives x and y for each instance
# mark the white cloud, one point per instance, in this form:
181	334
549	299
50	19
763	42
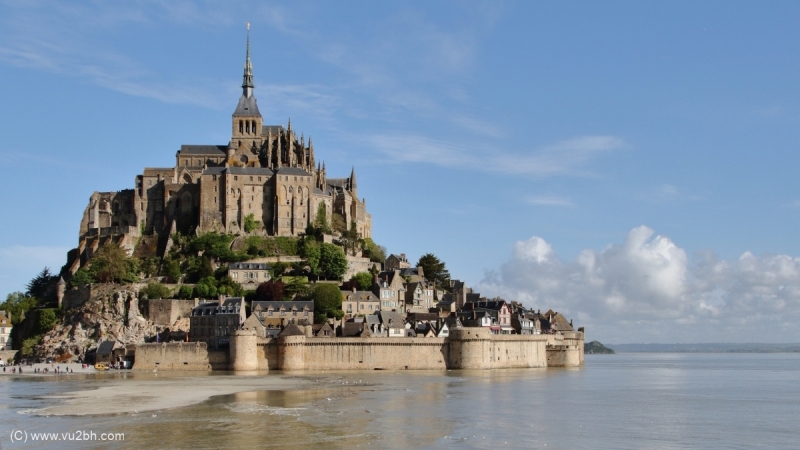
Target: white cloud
646	289
567	157
19	264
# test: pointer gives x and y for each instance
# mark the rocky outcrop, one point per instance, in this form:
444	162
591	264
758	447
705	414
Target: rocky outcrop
111	313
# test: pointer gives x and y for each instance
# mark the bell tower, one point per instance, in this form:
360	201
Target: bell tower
246	136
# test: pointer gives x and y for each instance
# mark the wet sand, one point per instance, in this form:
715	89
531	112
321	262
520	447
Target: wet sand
29	370
139	392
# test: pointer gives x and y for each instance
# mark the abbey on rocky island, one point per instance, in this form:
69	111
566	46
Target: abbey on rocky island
265	173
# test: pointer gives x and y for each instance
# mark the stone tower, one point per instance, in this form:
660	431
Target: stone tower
61	287
247	122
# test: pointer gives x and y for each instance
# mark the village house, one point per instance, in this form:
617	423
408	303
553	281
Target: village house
420	296
5	331
390	288
523	325
499	310
214	322
394	262
394	324
278	314
355	303
249	275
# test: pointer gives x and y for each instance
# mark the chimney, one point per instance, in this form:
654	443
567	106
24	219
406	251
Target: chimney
354	288
375	278
402	256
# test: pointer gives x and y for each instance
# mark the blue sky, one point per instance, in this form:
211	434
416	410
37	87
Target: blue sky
545	151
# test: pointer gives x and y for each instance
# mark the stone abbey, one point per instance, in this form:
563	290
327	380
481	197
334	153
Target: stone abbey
265	171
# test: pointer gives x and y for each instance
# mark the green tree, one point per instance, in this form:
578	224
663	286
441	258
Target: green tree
28	345
39	285
327	301
338	223
375	252
171	269
149	266
362	280
206	288
310	250
227	286
185	292
251	224
48	318
332	261
205	269
155	290
351	239
321	221
434	269
111	263
80	278
16	305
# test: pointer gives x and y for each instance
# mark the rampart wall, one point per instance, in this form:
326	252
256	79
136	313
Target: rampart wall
179	356
468	348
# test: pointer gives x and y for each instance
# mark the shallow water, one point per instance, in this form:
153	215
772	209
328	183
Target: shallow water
616	401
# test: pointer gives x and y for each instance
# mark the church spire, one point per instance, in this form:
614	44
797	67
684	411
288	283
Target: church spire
353	186
247	82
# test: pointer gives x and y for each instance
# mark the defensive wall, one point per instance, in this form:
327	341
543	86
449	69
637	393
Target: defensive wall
468	348
180	356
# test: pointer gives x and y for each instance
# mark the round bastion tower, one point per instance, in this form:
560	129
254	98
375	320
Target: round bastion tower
470	348
243	350
291	352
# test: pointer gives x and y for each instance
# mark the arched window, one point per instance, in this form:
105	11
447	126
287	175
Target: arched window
241	128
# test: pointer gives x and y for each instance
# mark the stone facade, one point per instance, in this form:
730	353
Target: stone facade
265	174
249	274
165	312
5	331
465	348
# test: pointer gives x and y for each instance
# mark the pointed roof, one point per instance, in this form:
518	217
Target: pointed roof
291	330
247	106
353	185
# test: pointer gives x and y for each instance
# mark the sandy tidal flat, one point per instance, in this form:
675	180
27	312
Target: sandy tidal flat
150	392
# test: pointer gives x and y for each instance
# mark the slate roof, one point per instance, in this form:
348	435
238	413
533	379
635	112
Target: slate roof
247	107
337	182
106	347
250	171
352	329
214	170
216	150
276	305
293	171
392	319
361	296
291	330
249	266
275	129
155	171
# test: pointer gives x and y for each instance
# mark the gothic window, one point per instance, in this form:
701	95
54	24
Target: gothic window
241	127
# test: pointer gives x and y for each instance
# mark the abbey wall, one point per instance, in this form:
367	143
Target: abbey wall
467	348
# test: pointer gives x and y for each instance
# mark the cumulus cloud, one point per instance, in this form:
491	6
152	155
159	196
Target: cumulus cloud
646	289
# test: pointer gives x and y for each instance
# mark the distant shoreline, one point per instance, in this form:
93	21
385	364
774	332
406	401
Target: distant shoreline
706	348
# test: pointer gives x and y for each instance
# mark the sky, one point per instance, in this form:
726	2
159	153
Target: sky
632	165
